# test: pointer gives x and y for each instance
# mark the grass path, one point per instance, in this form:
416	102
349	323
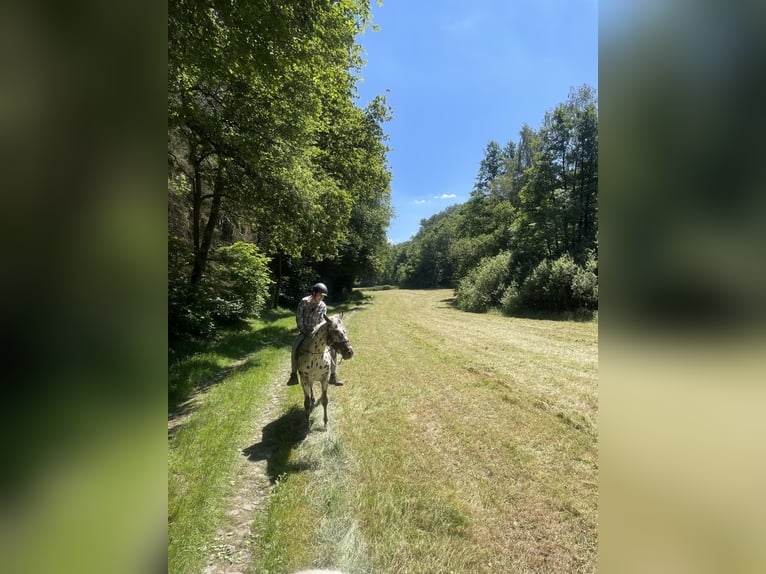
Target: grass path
461	443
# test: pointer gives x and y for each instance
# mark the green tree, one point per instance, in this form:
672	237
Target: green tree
492	165
266	143
534	202
250	87
358	158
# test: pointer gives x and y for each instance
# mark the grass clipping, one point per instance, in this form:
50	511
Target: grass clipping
460	443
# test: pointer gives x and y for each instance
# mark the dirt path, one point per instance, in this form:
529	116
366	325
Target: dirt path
252	486
232	551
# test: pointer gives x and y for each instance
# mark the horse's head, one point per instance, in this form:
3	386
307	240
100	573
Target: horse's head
336	335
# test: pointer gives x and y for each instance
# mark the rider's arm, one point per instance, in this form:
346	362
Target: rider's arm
300	317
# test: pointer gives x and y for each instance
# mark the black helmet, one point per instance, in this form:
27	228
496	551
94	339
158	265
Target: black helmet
319	288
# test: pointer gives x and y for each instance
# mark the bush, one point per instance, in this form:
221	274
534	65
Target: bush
467	252
186	315
236	286
560	285
484	285
585	285
510	302
238	282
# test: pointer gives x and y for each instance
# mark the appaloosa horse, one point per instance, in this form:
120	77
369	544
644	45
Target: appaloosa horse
314	358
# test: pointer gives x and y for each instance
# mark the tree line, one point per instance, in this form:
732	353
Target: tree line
276	177
527	239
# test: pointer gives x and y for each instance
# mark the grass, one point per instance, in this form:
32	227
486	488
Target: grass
460	443
202	450
194	366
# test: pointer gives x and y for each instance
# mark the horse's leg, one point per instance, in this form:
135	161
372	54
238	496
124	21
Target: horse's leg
308	397
325	380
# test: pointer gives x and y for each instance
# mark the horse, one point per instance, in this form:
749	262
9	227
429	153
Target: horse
314	359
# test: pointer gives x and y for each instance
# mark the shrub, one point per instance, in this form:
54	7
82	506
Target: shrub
238	282
585	285
467	252
560	285
510	302
484	285
186	315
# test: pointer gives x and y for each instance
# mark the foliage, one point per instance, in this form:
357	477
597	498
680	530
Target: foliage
427	256
585	284
235	288
536	199
267	146
559	285
485	284
466	252
187	315
239	282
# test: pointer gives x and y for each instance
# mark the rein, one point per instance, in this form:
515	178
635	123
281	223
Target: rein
310	338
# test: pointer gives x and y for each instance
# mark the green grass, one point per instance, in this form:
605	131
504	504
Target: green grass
460	443
475	438
203	448
199	364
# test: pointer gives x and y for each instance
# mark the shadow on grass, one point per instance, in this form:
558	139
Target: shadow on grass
194	370
230	341
450	302
278	438
349	307
578	316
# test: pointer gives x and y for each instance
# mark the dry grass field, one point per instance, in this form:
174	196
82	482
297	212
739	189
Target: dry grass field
460	443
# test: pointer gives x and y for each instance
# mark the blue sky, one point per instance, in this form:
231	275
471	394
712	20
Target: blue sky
458	74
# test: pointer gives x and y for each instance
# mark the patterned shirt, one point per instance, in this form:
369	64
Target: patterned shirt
309	314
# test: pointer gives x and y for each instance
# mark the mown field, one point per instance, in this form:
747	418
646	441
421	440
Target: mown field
460	443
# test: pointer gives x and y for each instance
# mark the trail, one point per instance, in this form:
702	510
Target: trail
232	550
252	486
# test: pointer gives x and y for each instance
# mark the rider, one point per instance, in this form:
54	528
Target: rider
311	310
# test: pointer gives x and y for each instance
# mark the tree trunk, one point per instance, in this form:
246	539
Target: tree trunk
196	205
202	252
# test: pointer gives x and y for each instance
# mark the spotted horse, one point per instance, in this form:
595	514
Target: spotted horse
314	359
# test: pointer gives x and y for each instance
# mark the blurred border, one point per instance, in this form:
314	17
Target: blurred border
682	284
82	133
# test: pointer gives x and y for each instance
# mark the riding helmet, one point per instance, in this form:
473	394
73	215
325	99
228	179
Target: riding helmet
319	288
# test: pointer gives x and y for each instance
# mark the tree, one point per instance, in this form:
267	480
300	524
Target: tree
251	86
492	165
359	160
535	203
265	142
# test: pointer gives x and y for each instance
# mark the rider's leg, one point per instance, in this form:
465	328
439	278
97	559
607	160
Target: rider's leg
333	367
294	361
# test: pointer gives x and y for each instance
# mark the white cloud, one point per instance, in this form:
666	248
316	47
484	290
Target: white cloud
445	196
419	201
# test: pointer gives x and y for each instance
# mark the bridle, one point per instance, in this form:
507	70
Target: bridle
343	345
338	346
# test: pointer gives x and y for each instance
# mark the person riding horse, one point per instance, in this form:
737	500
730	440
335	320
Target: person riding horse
310	312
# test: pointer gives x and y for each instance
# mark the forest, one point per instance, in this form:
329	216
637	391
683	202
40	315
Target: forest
278	178
527	239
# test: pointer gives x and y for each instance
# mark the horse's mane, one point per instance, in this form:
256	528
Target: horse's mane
318	326
323	323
